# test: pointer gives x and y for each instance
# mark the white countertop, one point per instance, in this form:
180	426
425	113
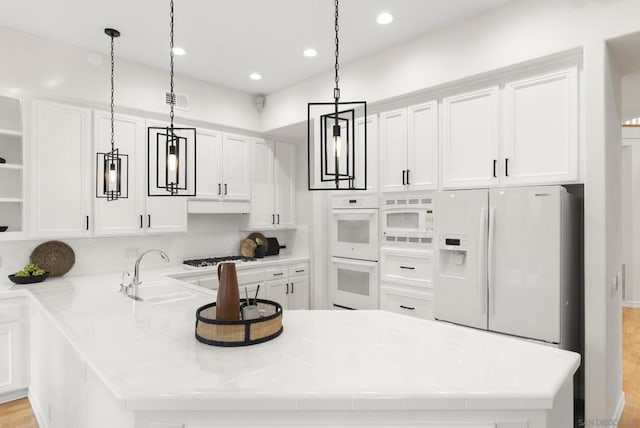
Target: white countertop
148	357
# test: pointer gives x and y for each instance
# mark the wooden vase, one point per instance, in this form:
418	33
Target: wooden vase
228	299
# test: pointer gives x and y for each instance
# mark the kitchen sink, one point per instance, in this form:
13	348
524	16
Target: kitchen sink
163	292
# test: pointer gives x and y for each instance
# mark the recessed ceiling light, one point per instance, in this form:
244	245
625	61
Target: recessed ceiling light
384	18
309	53
179	51
255	76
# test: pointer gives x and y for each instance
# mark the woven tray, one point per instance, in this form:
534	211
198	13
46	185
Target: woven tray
215	332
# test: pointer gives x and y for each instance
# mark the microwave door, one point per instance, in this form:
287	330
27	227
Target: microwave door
404	222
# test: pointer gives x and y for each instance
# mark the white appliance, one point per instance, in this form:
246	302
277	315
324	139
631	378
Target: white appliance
353	269
407	217
508	261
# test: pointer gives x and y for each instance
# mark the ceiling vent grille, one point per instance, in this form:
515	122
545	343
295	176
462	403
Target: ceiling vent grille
180	101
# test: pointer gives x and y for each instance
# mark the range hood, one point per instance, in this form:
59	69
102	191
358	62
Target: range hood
203	206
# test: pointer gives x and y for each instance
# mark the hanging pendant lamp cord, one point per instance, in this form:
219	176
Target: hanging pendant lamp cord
112	96
173	97
336	92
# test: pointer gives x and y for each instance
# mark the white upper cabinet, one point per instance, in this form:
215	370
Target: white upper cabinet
263	191
124	216
422	147
285	185
223	163
236	175
470	138
274	186
393	150
209	164
61	170
541	129
409	148
372	151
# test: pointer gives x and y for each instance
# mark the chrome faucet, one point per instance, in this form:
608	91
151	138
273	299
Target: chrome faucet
132	289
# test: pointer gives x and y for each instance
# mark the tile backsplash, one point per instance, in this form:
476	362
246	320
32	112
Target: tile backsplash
208	235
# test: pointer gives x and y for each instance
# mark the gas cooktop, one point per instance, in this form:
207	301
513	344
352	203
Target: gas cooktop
213	261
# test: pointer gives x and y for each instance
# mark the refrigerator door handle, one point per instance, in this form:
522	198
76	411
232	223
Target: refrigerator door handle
492	227
482	250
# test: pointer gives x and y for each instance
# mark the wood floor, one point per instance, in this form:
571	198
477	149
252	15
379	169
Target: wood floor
17	414
631	367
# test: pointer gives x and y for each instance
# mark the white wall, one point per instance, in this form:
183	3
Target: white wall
504	37
32	64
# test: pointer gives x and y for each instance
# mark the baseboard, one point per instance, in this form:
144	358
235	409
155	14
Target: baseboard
619	409
37	411
631	303
12	396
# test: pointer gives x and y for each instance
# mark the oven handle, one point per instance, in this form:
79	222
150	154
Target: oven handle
353	262
361	213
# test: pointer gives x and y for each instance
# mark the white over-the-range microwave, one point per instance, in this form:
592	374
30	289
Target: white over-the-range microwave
407	217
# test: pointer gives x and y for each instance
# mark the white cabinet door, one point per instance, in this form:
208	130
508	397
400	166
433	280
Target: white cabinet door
541	129
123	216
277	291
422	147
299	292
470	139
164	213
236	158
263	188
209	164
14	360
372	151
285	181
61	165
393	150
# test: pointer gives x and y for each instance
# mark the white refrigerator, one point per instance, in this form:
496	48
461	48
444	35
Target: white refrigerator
507	261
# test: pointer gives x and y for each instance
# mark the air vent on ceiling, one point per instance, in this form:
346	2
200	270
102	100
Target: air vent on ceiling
180	101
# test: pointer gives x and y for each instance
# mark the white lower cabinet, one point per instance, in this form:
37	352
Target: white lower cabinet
401	301
291	289
14	351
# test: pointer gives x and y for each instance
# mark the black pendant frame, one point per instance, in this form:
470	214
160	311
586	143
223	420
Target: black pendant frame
104	163
161	143
334	173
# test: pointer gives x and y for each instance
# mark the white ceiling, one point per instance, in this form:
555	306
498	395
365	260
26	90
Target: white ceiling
226	40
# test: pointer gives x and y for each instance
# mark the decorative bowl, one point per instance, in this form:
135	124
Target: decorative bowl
4	228
28	279
3	160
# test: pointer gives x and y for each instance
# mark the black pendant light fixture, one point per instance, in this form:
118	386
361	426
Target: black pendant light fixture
171	151
112	168
336	161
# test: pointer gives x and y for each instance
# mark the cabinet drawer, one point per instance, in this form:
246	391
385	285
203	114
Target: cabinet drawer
299	270
419	305
409	267
250	275
276	273
13	309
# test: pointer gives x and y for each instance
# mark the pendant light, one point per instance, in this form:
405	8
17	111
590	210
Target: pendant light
171	150
112	168
336	158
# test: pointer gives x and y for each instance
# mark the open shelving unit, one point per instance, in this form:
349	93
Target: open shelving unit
11	172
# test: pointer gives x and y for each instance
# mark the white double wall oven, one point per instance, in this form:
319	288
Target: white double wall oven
353	272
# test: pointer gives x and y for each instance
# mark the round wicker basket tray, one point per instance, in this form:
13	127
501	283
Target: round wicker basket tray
215	332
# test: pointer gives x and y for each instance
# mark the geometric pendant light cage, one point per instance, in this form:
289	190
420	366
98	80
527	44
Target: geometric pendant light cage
337	146
171	151
112	168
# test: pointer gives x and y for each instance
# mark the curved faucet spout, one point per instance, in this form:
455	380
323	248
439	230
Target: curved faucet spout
136	270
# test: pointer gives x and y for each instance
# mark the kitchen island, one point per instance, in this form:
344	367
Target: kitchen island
99	359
